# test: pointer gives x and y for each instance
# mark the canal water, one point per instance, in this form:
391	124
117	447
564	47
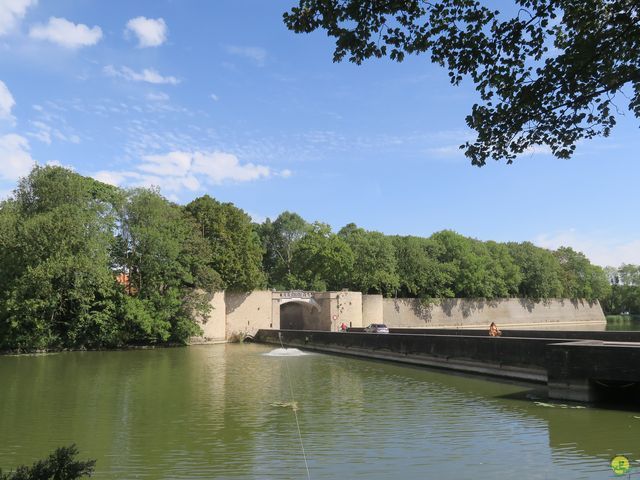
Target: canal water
623	322
226	411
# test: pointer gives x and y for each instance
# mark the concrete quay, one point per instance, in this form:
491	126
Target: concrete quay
576	366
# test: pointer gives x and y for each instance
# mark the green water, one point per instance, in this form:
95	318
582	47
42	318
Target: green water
216	412
623	322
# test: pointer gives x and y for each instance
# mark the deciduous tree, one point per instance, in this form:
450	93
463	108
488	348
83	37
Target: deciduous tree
57	288
375	267
420	273
321	261
166	259
279	239
541	273
236	251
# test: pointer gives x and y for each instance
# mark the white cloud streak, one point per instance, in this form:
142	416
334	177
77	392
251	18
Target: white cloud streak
157	97
602	249
66	34
6	102
150	32
448	151
12	12
256	54
45	133
148	75
177	171
15	158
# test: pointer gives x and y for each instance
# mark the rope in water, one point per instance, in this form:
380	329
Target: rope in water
295	412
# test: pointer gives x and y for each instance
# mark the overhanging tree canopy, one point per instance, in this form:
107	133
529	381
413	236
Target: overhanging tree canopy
551	74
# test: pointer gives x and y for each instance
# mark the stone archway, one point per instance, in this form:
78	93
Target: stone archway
322	311
299	315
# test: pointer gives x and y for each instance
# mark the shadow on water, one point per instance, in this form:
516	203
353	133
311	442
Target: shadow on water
599	431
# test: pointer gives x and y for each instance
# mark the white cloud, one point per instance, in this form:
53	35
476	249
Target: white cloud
218	167
448	151
214	97
42	134
148	75
602	249
150	32
6	102
11	12
58	163
535	150
66	34
15	159
256	217
45	133
157	96
184	170
257	54
174	164
112	178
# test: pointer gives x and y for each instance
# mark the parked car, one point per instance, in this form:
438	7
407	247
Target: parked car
376	328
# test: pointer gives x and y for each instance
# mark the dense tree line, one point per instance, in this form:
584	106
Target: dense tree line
88	265
625	290
446	264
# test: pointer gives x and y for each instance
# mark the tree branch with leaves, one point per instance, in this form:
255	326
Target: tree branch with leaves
548	74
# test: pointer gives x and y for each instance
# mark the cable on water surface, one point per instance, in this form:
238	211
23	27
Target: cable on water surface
295	410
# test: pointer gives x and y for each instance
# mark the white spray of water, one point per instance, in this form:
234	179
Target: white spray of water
285	352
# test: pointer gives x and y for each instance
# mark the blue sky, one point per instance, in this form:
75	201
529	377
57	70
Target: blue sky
219	97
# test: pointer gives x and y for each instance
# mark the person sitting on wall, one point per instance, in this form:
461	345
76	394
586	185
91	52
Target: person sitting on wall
343	327
493	330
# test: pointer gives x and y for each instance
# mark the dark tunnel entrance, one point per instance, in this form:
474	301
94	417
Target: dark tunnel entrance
302	315
292	316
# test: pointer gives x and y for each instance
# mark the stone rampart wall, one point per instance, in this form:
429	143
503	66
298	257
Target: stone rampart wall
246	313
214	329
478	313
372	310
347	308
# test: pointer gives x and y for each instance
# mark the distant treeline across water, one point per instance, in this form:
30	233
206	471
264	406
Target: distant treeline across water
89	265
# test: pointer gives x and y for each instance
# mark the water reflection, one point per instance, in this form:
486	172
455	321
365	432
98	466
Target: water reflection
226	412
623	322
